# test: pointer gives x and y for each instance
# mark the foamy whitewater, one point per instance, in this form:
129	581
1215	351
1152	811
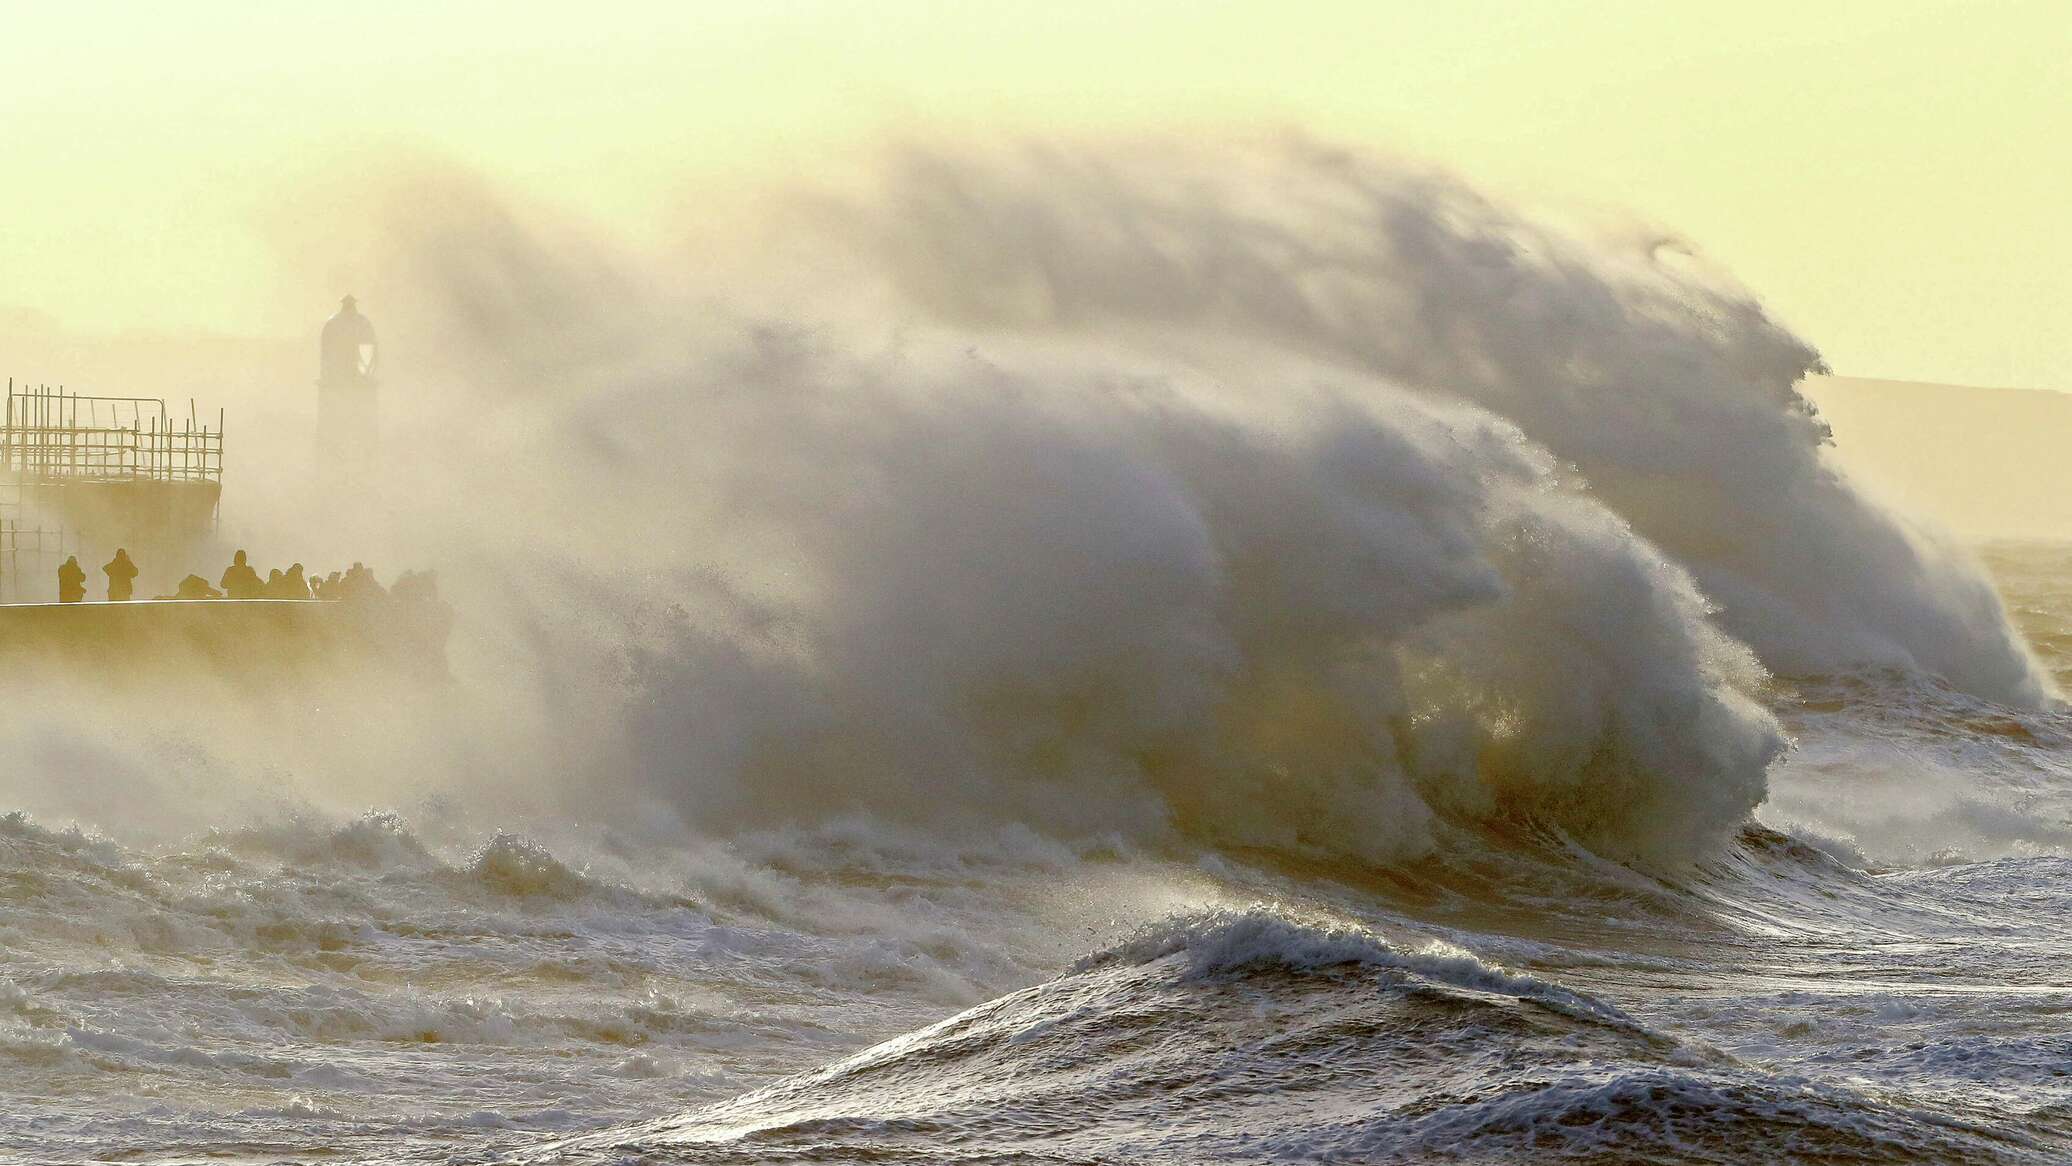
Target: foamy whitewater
1081	654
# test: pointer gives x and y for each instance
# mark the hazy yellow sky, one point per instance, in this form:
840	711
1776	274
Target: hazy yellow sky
1892	176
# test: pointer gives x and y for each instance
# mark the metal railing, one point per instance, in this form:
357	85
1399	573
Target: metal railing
48	434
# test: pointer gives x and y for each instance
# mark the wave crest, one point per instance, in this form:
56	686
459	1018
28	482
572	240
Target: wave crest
1241	497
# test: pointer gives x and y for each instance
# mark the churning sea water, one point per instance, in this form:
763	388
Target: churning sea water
1158	655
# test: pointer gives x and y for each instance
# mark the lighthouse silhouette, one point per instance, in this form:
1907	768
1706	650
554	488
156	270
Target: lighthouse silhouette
348	405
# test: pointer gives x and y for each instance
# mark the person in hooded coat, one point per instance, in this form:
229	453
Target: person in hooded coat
71	580
122	576
196	587
240	581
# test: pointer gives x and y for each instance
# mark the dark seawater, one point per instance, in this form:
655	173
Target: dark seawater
1878	970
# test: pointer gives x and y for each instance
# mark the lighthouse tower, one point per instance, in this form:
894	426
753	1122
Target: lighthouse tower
348	422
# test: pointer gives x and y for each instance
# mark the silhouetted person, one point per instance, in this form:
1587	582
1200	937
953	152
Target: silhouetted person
241	581
122	576
359	584
71	580
275	586
292	584
196	587
334	586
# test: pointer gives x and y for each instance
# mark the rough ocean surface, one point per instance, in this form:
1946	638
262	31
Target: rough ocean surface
371	990
1163	654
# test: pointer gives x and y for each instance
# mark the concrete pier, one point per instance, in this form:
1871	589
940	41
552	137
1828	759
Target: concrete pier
229	637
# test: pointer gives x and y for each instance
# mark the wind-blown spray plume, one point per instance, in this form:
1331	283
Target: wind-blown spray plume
1030	547
1667	386
1259	497
1269	498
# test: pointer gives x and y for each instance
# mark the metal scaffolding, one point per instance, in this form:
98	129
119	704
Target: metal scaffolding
76	470
49	434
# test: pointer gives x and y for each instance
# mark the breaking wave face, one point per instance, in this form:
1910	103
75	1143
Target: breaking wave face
1263	497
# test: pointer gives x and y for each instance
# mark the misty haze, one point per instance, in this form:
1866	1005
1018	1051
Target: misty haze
901	583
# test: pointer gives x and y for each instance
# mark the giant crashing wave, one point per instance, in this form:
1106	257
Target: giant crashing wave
1267	497
1306	509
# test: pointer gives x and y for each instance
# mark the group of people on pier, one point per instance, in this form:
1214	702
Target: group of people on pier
241	581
